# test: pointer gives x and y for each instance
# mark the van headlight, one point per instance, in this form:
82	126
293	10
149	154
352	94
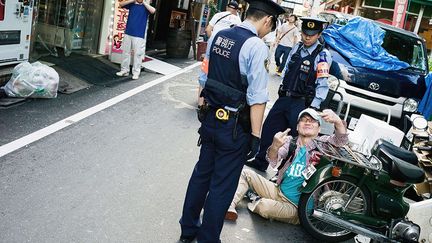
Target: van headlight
333	82
410	105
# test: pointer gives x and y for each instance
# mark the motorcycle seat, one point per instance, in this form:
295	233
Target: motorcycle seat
397	152
405	172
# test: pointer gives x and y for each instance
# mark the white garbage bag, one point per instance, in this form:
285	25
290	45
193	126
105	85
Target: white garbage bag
34	80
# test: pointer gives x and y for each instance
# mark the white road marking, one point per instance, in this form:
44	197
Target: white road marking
26	140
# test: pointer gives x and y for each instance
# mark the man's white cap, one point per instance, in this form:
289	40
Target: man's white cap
311	112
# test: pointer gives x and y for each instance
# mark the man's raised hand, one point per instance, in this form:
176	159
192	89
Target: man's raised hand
280	138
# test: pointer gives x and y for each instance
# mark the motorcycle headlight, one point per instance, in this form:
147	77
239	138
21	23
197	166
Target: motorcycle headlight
410	105
333	83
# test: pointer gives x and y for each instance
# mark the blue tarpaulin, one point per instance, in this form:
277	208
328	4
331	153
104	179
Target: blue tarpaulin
360	42
425	106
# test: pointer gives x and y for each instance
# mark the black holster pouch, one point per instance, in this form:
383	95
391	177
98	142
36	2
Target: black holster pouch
244	119
202	111
281	92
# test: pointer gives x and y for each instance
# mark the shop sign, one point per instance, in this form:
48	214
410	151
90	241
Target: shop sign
399	13
119	27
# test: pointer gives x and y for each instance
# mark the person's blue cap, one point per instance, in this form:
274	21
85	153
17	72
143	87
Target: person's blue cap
268	6
312	113
312	25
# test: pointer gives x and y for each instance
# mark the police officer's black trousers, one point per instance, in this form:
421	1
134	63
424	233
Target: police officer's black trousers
282	115
214	179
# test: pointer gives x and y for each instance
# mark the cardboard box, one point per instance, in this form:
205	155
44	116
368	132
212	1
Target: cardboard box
422	188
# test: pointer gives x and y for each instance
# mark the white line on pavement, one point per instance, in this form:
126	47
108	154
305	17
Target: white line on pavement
26	140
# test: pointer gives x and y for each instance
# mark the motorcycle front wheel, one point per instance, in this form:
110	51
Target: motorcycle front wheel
330	195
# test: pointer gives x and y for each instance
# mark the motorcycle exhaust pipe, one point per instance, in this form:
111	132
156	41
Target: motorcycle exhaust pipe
329	218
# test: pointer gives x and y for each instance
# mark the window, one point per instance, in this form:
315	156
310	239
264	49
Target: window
405	48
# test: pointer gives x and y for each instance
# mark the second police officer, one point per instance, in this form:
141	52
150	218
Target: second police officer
234	81
304	85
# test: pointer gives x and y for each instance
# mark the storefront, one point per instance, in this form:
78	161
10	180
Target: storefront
97	26
67	25
168	15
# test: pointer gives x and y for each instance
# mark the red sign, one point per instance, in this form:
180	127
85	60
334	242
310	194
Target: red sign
2	9
119	27
399	13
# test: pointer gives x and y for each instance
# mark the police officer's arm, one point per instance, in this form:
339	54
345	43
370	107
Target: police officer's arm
257	114
253	56
322	88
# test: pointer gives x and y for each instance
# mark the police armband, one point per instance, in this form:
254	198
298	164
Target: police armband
322	70
204	66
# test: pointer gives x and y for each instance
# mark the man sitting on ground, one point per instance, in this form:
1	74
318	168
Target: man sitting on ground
279	201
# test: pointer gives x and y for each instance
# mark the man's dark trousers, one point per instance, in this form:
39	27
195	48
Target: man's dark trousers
217	173
282	115
284	52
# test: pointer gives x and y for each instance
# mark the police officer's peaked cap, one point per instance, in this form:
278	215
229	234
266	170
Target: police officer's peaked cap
267	6
312	25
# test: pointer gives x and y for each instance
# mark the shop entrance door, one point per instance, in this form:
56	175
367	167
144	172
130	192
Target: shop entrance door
70	25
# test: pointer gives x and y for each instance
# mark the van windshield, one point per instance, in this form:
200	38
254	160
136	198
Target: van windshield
405	48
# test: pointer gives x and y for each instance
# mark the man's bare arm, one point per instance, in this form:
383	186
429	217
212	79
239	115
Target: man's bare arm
257	114
124	3
149	7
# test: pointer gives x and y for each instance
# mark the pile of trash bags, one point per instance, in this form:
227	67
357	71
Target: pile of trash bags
34	80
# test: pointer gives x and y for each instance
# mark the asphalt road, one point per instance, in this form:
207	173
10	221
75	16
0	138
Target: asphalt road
119	175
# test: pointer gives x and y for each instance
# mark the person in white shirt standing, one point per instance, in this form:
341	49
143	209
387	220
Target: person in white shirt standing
287	36
224	20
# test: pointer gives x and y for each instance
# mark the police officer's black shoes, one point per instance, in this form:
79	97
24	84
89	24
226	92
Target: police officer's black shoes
256	164
186	239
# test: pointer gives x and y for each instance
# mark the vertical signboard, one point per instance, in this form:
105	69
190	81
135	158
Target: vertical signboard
118	31
399	13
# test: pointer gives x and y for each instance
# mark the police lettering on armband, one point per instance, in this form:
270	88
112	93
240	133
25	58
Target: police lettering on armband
222	46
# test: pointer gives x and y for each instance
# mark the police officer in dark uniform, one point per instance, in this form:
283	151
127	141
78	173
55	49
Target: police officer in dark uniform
304	85
234	81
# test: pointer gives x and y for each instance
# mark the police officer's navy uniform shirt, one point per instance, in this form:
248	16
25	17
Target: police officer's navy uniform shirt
252	57
321	89
137	20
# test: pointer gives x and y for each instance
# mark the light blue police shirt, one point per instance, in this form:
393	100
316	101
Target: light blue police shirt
322	88
252	58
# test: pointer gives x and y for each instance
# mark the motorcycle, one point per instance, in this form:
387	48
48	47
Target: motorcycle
349	193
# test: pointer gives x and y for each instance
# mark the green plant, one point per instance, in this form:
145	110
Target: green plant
212	8
430	64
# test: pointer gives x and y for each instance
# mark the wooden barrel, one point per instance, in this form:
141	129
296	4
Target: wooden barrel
178	43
